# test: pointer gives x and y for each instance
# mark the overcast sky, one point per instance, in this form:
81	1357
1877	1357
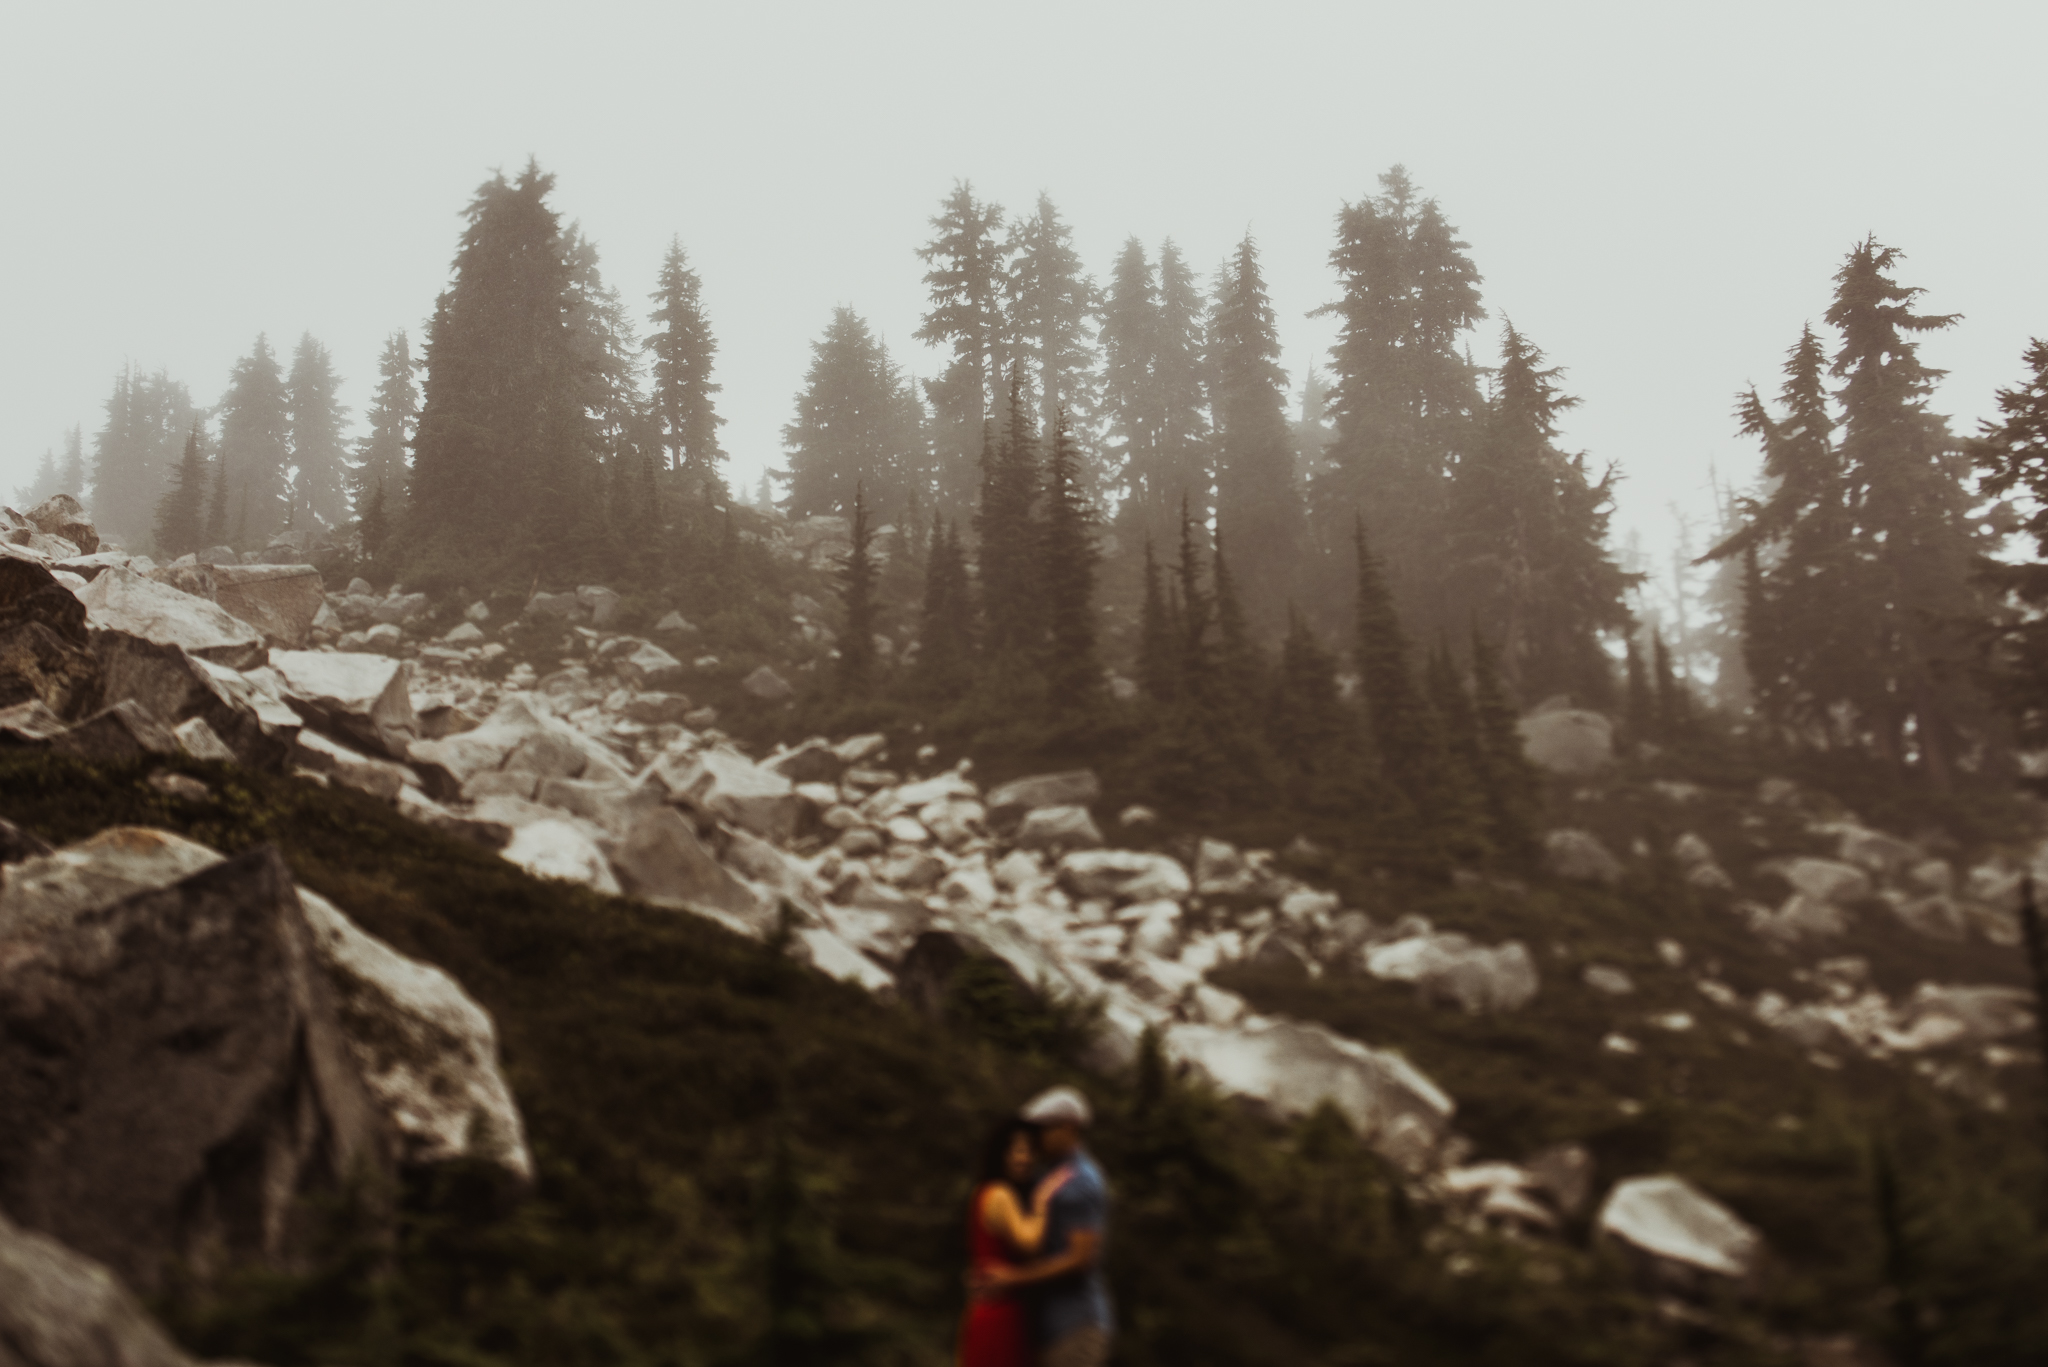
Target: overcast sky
1656	194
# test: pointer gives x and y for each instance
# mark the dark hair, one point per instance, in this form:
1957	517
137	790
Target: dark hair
995	1150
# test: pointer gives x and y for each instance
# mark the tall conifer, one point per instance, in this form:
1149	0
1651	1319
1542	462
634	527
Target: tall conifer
849	431
967	281
317	496
1404	733
1257	500
255	445
684	348
857	598
1513	789
180	514
1051	313
1066	578
1012	606
394	408
71	474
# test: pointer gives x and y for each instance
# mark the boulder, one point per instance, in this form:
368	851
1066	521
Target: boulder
1292	1068
1607	980
59	1308
1565	1171
1799	917
661	861
121	600
1579	855
765	684
1980	1014
552	749
1678	1228
674	623
363	700
1567	741
62	515
280	601
45	652
123	731
29	723
1124	875
561	849
380	778
1449	966
727	786
600	605
174	687
815	761
173	1072
1221	870
1823	880
1008	803
649	666
1877	852
1058	828
611	806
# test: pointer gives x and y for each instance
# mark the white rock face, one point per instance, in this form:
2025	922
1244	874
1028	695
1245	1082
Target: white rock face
1567	741
1058	828
362	698
379	778
280	601
728	786
59	1308
560	849
428	1053
1823	880
1580	855
1294	1068
651	667
1673	1221
1479	979
119	599
1124	875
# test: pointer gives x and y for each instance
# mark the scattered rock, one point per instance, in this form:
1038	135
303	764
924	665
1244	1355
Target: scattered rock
123	601
1450	966
727	786
1679	1228
124	731
1008	803
59	1308
650	666
662	861
1567	741
63	516
1608	980
561	849
45	653
1124	876
764	683
280	601
361	699
1058	828
1579	855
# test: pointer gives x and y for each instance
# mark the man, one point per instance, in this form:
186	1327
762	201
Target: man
1068	1295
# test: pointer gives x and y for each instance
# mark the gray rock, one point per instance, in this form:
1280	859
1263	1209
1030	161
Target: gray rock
675	624
815	761
661	861
477	612
1677	1226
62	1309
1877	852
561	849
174	687
650	667
121	600
612	806
1124	875
364	700
29	723
281	601
45	651
399	608
600	605
1799	917
1008	803
198	740
1567	741
1607	979
1221	870
380	778
149	1040
727	786
123	731
1058	828
654	708
1477	978
63	516
765	684
1982	1014
1579	855
1565	1172
1824	880
463	634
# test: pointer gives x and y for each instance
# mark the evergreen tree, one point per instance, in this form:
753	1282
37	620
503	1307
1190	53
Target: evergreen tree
1461	816
1129	330
505	476
857	598
849	426
1674	706
1312	732
1513	789
1641	701
255	445
180	514
683	350
1066	578
148	417
1312	430
217	503
43	485
1180	469
945	635
394	409
1240	668
1010	482
1257	500
71	474
317	496
1528	558
609	357
1403	731
1196	608
374	528
967	283
1159	651
2013	454
1051	312
1403	395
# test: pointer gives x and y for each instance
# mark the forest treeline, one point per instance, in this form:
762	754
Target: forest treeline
1110	502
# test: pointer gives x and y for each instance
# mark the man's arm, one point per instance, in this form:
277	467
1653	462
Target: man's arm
1084	1246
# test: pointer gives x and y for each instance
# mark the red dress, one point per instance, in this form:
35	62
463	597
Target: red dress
992	1332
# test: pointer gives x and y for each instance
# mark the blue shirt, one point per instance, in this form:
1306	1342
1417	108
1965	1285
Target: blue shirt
1079	1300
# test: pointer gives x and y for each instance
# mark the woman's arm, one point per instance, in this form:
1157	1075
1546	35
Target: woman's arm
1023	1230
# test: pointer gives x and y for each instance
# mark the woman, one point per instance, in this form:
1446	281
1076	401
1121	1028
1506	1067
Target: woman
1002	1232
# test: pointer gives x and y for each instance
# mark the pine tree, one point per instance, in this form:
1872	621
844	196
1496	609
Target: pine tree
857	598
1066	578
1257	500
1528	559
683	350
374	528
317	496
1312	430
967	282
216	503
1403	395
255	444
1183	467
1674	706
1404	733
609	356
180	514
1460	814
1051	312
1241	669
1641	701
394	409
506	458
945	634
148	417
1159	651
1313	733
1513	789
2013	454
71	474
848	430
43	485
1012	605
1129	330
1199	677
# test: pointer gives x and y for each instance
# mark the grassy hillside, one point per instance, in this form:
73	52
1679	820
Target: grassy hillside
742	1162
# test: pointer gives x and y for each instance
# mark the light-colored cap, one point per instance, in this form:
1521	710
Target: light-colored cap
1058	1106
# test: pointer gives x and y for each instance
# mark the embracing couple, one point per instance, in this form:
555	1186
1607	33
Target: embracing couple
1038	1228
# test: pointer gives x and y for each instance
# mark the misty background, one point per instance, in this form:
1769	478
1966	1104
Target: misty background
1657	197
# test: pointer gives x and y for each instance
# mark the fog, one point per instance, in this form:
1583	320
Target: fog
1657	198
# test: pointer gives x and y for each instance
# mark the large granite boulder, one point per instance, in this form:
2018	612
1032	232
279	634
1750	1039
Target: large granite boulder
175	687
725	785
661	861
45	653
551	749
1008	802
1679	1229
1477	977
361	699
280	601
1292	1068
62	515
124	601
1567	741
1124	875
174	1076
1580	856
59	1308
